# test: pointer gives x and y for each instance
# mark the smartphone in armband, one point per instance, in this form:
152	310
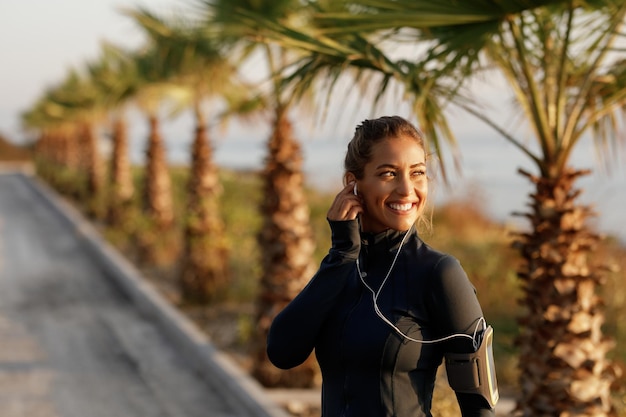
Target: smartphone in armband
475	373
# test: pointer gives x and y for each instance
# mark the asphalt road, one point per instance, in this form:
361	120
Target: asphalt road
71	344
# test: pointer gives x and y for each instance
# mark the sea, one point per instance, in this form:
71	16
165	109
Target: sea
487	173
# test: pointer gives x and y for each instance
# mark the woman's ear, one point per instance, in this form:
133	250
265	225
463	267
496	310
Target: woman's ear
349	177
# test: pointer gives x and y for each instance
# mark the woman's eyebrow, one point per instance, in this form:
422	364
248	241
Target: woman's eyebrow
419	164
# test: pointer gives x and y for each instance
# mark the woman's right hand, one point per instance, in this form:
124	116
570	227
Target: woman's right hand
346	205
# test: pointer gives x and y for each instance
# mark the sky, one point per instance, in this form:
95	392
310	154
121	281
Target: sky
41	40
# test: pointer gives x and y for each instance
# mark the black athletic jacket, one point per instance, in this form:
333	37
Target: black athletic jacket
368	369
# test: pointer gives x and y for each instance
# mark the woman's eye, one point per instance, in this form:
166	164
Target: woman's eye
387	174
419	173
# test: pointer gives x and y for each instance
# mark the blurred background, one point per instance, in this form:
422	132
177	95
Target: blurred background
40	41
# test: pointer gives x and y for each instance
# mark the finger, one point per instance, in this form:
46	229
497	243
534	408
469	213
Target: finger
344	207
350	188
354	212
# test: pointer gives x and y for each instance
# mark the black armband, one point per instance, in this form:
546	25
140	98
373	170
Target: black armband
475	373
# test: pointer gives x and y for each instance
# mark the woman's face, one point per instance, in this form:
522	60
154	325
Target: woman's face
394	186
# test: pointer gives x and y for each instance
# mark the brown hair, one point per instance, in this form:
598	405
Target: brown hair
369	133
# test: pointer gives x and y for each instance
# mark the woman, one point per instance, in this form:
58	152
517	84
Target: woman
384	308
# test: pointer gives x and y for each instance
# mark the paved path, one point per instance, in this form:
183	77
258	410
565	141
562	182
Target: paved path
71	344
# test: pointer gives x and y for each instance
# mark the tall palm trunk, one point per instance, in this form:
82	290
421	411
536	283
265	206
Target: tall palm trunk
157	190
91	170
204	274
52	160
156	241
69	155
92	160
67	152
287	247
562	350
120	176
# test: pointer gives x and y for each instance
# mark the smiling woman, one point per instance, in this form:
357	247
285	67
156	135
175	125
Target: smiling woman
385	308
393	178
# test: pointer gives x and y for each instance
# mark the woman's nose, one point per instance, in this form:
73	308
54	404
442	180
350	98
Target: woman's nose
405	186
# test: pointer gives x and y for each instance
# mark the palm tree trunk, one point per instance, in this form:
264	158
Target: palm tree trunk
287	247
49	152
91	170
72	157
156	242
563	364
120	176
93	161
157	198
204	275
67	152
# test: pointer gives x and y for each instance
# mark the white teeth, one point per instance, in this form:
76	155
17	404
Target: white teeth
401	207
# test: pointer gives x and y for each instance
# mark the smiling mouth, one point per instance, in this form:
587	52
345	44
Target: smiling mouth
401	207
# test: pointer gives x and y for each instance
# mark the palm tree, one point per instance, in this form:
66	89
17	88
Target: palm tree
48	149
113	73
151	89
149	96
287	247
205	76
285	239
568	80
92	162
122	188
72	110
82	102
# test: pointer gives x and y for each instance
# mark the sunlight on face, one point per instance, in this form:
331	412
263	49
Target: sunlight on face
394	186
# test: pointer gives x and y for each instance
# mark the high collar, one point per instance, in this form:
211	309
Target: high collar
388	240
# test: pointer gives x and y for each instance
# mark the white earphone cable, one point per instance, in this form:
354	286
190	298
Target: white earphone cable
379	313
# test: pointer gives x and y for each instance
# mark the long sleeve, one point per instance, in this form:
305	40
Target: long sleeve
453	305
457	307
294	331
